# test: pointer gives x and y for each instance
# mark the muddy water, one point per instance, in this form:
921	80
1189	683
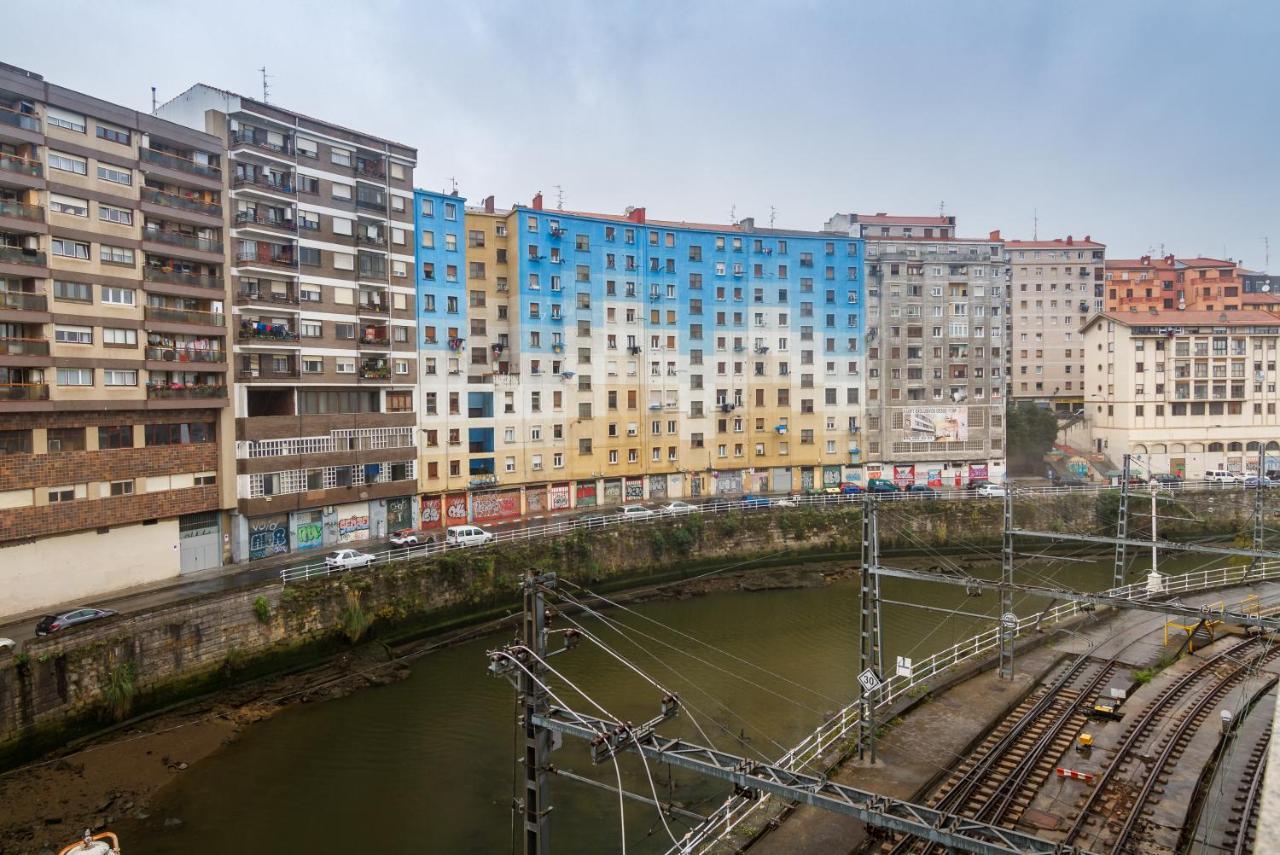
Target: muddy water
425	765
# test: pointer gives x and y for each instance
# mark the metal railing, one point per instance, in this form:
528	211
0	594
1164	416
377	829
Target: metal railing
183	316
23	165
185	354
181	164
24	346
252	217
176	238
23	300
264	183
165	391
24	391
185	203
26	121
175	277
20	211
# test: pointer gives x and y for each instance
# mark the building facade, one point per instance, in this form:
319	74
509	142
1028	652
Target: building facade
1183	391
936	347
574	359
1173	284
321	261
1054	286
114	421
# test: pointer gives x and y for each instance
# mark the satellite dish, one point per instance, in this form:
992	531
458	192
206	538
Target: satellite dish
1266	288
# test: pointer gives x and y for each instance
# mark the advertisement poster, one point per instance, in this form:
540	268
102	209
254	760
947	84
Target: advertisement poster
586	494
488	507
936	424
455	509
432	513
935	477
559	497
904	475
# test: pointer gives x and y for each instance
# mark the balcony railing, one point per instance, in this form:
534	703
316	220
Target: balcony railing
375	341
24	347
167	391
372	307
186	354
181	164
175	277
375	372
261	181
13	118
244	218
265	256
20	211
185	203
258	331
14	163
176	238
18	255
270	373
241	138
184	316
371	204
24	391
371	240
24	300
289	298
371	169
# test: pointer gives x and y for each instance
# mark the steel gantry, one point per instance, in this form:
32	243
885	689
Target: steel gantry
1122	527
1008	620
870	659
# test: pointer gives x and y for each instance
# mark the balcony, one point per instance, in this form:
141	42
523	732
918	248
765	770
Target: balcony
174	391
24	347
239	138
375	371
375	240
270	372
256	218
183	316
185	354
262	331
263	255
184	203
18	255
181	164
20	165
14	119
376	203
19	211
262	182
376	342
182	239
373	307
375	169
24	391
174	277
24	301
286	298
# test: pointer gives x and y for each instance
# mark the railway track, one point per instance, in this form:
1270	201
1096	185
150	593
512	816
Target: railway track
1117	803
1243	822
997	782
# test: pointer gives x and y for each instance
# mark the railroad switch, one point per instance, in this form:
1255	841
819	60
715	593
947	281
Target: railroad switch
1084	743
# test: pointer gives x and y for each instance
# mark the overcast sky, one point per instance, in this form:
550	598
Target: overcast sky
1143	124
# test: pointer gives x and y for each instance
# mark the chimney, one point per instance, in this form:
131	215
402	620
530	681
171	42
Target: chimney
881	214
747	224
488	204
995	235
1071	241
1087	240
1168	259
1145	260
634	214
537	201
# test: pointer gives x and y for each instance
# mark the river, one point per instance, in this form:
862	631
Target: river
425	765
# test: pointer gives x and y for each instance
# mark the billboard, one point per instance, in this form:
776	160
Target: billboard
936	424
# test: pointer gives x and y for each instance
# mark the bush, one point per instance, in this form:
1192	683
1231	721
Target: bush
262	609
118	690
355	619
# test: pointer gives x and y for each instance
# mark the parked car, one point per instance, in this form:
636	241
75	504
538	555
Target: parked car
409	537
7	646
634	512
786	502
1223	476
678	508
977	485
991	491
72	617
466	535
848	488
881	485
347	559
924	491
1070	481
756	502
1166	479
1254	481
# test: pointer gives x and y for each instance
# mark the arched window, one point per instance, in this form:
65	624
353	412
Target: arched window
1196	448
1215	446
1235	446
1178	448
1139	449
1159	448
1253	446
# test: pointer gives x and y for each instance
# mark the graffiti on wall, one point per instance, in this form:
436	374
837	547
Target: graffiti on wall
904	475
431	517
455	509
586	491
935	477
495	506
353	527
977	471
399	513
612	492
310	535
268	536
559	497
635	489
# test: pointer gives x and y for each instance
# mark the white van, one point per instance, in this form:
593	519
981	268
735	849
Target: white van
1223	476
466	535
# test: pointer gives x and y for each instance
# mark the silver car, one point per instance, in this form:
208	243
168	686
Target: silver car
72	617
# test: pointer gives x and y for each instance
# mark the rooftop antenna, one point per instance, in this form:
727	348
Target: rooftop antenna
1035	224
453	186
266	91
733	214
559	197
942	208
773	213
1266	246
153	99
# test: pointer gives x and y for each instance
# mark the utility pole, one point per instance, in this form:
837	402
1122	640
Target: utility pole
534	703
1259	529
1122	527
266	91
1008	620
870	663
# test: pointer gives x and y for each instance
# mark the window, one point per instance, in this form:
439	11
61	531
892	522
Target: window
306	147
312	364
116	255
341	191
68	205
66	439
122	488
70	248
309	256
119	377
310	329
117	296
68	163
73	335
65	494
112	214
63	119
77	292
115	135
75	376
15	442
182	433
114	175
340	156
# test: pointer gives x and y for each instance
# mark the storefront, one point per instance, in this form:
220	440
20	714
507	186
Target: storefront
728	483
806	479
904	476
455	509
558	497
831	476
758	481
657	486
613	492
199	542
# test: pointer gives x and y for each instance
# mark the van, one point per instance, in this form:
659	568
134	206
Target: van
1222	476
466	535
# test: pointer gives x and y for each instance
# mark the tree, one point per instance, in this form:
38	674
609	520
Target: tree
1030	432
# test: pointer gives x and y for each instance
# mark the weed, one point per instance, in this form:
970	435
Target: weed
118	689
262	609
355	620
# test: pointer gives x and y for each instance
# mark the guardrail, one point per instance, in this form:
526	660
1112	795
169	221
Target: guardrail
735	810
610	516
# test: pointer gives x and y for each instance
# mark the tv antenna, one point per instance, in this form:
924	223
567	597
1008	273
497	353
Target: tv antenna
733	214
453	186
1266	246
559	197
1035	224
773	213
942	208
266	90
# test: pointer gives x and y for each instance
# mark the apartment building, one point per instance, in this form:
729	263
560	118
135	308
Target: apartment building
321	253
936	348
578	359
1054	286
1170	283
114	418
1183	391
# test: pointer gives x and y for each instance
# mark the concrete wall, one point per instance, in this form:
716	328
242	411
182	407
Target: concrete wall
84	564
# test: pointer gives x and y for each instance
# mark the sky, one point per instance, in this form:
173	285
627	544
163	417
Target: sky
1151	126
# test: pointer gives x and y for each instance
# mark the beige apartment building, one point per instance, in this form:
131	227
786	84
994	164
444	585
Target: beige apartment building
1183	391
321	258
114	420
1055	285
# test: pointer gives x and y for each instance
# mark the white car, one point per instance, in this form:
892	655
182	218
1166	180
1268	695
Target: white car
409	537
7	646
467	535
346	559
678	508
634	512
786	502
991	491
